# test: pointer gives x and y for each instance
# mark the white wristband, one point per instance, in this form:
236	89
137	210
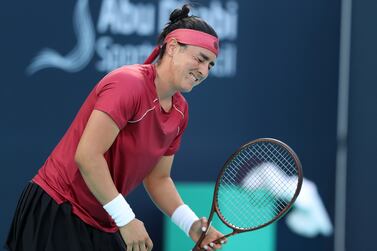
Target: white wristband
184	217
120	211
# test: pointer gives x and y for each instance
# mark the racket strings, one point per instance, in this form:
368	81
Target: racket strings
257	185
259	199
269	176
272	174
274	179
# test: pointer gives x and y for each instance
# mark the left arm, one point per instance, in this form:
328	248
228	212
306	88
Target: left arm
161	188
164	194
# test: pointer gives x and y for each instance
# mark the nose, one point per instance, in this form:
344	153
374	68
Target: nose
203	70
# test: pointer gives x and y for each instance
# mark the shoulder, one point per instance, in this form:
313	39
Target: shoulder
130	79
129	74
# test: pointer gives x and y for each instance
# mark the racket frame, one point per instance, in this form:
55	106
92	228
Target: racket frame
215	207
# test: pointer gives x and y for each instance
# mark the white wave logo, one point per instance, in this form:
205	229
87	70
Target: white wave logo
81	54
120	18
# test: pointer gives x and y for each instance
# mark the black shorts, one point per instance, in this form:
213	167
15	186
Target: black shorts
40	224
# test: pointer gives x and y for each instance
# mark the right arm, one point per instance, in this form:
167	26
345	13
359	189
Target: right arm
99	134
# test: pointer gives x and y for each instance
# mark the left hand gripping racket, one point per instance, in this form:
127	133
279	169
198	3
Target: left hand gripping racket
257	185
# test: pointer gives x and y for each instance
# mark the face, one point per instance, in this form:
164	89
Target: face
190	65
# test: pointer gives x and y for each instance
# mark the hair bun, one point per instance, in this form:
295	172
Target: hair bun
179	14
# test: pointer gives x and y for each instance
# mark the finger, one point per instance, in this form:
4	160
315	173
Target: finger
214	240
128	247
206	244
223	241
135	247
219	244
219	237
149	244
210	248
205	226
214	245
204	223
142	246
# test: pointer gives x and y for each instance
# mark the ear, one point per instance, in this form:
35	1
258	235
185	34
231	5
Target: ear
172	47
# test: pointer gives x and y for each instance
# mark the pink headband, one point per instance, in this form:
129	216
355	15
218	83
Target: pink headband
190	37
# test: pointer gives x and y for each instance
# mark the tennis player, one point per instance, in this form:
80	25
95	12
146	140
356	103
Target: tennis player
126	132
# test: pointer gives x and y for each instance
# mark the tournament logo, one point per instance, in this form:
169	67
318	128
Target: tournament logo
139	25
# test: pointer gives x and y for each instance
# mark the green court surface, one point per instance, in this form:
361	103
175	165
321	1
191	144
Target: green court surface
199	197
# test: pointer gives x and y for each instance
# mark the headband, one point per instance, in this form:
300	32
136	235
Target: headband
189	37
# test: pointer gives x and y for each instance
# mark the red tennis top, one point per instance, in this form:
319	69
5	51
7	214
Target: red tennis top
128	95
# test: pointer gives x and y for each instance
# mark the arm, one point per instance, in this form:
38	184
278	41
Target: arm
161	187
99	134
164	194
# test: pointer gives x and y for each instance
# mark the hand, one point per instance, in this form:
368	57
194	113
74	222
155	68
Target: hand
200	226
135	236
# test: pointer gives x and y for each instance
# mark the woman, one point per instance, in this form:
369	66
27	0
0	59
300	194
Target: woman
126	132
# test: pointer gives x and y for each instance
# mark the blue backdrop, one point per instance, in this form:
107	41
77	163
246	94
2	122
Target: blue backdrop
277	78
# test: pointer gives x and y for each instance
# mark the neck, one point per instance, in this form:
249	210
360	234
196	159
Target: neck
164	88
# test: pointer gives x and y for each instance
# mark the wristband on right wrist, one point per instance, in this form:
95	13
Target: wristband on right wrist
120	211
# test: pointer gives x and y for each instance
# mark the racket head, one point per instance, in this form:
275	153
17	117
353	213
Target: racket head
251	191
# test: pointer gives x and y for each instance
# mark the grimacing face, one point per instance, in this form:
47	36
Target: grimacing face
191	65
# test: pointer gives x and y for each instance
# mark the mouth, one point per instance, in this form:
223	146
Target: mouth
193	77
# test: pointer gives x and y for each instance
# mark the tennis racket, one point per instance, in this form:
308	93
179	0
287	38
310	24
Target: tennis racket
257	185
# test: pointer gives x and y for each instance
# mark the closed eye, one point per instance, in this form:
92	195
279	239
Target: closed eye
206	58
200	60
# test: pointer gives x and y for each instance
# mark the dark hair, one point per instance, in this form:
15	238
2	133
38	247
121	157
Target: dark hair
179	19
